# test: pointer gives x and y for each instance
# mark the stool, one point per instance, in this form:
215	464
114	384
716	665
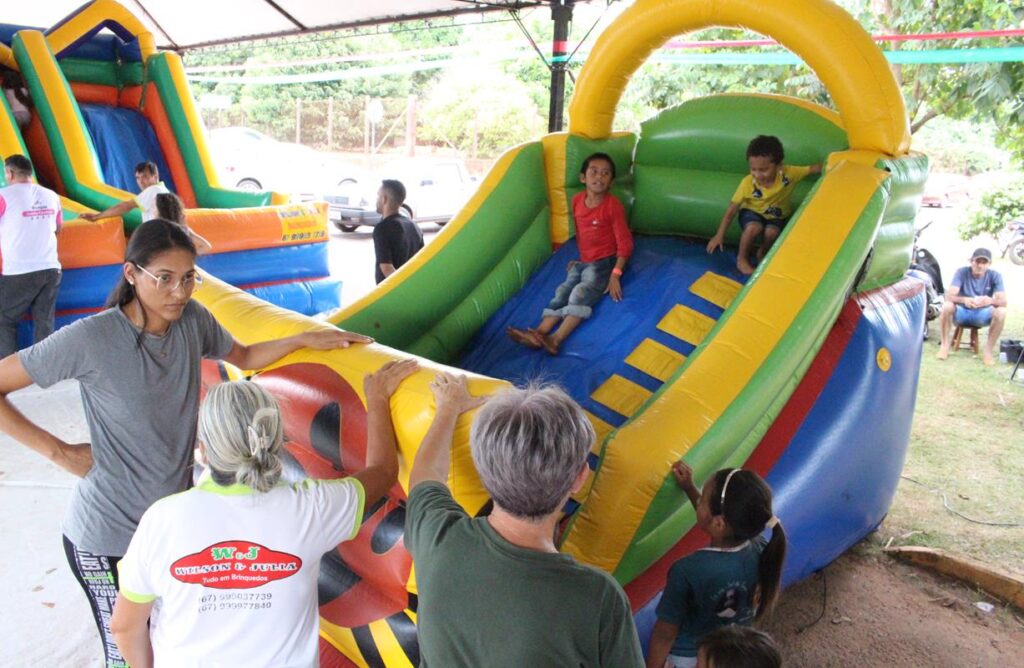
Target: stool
958	335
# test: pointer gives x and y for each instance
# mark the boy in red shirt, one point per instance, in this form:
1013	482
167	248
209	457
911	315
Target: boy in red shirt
605	245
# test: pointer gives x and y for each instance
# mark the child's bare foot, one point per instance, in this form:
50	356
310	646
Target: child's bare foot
550	344
943	353
743	264
988	360
526	337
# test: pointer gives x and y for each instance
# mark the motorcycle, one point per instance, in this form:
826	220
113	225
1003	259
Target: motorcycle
925	267
1014	247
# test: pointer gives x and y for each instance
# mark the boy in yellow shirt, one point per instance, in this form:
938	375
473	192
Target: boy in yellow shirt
763	200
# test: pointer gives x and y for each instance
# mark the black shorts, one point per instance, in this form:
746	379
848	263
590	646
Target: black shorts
747	217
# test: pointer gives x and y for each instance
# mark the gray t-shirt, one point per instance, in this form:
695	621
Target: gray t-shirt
986	285
486	602
142	406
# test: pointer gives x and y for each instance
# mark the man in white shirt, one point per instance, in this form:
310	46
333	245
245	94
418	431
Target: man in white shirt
30	219
147	175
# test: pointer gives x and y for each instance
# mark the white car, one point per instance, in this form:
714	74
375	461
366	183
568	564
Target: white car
436	188
249	160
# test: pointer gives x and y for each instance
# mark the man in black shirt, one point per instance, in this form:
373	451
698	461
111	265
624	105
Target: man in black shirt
395	238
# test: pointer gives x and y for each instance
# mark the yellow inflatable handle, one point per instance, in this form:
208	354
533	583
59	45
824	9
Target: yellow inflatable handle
828	39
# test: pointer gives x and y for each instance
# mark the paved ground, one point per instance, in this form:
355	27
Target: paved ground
351	259
44	619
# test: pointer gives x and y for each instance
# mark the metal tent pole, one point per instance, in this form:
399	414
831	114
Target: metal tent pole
561	14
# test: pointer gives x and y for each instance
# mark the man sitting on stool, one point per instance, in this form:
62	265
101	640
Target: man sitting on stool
975	298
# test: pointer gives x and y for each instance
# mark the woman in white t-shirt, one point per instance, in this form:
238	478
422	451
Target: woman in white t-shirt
226	573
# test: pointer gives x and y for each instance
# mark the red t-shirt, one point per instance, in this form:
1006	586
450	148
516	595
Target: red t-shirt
602	231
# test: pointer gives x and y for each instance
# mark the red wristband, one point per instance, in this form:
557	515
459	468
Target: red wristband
616	271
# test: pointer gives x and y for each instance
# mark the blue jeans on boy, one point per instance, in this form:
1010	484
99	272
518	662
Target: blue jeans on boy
583	287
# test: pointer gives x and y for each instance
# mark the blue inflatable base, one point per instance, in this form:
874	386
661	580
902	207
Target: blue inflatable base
835	481
269	265
88	287
306	297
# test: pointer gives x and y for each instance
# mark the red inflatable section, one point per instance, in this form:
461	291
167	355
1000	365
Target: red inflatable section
325	428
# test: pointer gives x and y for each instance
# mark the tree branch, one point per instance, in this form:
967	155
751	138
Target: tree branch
928	115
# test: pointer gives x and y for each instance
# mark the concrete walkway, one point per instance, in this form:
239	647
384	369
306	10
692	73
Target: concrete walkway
45	618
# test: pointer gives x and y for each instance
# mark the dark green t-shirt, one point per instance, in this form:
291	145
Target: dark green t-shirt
710	588
486	602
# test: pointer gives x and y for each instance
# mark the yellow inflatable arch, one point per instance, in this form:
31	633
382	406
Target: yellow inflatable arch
828	39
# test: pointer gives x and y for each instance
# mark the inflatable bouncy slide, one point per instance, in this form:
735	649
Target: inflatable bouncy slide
806	372
105	100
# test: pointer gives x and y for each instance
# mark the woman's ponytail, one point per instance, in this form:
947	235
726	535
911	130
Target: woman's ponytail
769	568
241	430
261	468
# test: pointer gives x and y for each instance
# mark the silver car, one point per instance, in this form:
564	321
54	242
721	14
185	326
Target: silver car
436	188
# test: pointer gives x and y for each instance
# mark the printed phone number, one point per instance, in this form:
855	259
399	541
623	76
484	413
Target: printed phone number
235	601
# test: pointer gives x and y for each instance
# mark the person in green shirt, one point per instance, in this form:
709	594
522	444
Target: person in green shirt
494	591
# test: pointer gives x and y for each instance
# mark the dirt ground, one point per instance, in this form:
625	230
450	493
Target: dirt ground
875	611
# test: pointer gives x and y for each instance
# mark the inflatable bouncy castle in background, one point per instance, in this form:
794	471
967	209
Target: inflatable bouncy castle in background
102	103
805	372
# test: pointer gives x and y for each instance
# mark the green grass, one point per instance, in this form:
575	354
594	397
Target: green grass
967	441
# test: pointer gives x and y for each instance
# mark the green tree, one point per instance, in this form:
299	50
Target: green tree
976	91
272	107
961	147
480	112
982	92
426	35
998	206
658	85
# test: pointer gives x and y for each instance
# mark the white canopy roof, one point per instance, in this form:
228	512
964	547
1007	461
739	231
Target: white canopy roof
188	24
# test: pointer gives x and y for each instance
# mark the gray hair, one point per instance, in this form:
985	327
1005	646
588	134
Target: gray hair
240	426
528	446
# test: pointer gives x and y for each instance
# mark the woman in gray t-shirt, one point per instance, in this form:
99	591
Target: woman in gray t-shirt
138	365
